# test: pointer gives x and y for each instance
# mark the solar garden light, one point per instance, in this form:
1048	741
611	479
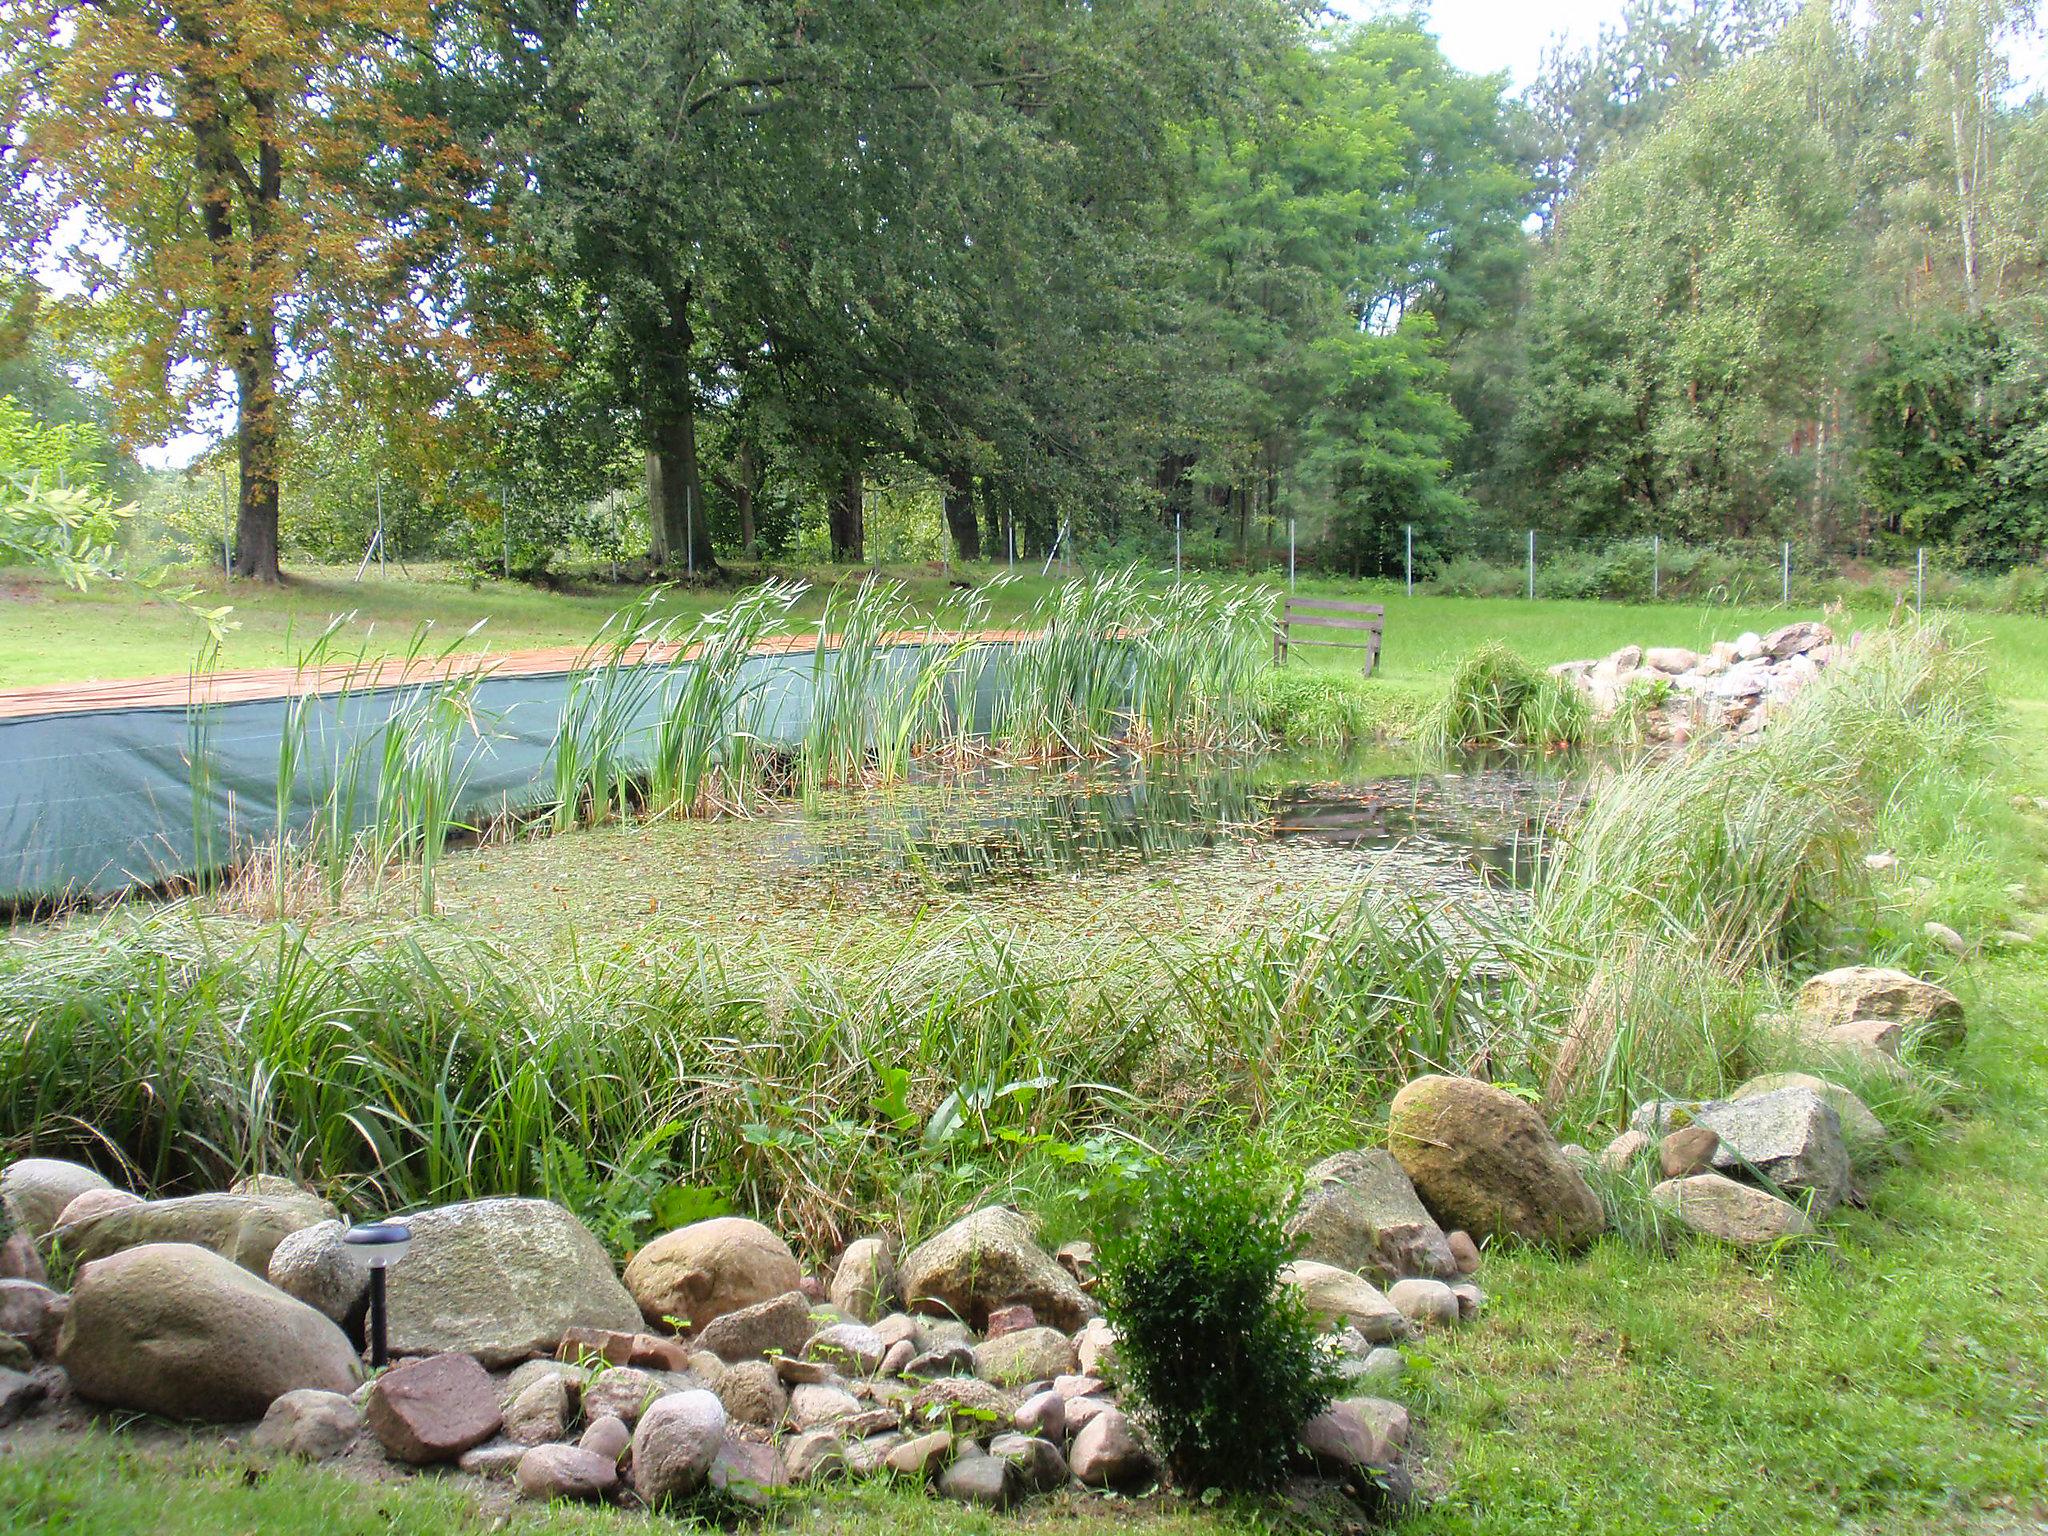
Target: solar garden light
378	1245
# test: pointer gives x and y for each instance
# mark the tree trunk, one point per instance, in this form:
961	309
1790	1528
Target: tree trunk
745	473
959	502
679	534
848	528
994	539
256	462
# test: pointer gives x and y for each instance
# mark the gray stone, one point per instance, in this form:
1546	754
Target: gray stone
1082	1411
1381	1366
674	1445
1358	1211
1038	1462
541	1412
522	1376
243	1228
607	1436
853	1348
699	1273
864	1283
315	1265
989	1260
34	1314
1742	1214
1425	1303
423	1411
1790	1137
985	1480
947	1360
963	1404
919	1458
901	1328
495	1459
781	1325
35	1190
748	1472
96	1202
1338	1298
1031	1354
1108	1454
817	1404
898	1357
814	1455
1864	1134
310	1424
566	1472
178	1330
502	1279
753	1394
1483	1160
799	1373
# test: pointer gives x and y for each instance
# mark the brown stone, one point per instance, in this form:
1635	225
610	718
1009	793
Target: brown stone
1482	1159
1688	1150
1011	1319
433	1409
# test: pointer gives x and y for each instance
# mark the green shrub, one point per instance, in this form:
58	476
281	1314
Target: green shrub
1304	708
1221	1354
1497	699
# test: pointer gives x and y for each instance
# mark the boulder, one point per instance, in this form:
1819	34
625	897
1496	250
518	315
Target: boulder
1742	1214
502	1279
699	1273
541	1412
35	1190
1425	1303
1108	1454
920	1457
315	1265
677	1440
965	1404
1045	1414
864	1283
309	1424
989	1260
1338	1298
1855	992
96	1202
1687	1150
990	1481
1671	660
1483	1160
813	1405
1038	1463
747	1471
624	1392
565	1472
424	1411
517	1380
178	1330
852	1348
1031	1354
1359	1211
753	1394
607	1437
1095	1346
1797	639
781	1325
814	1455
1341	1440
1863	1133
243	1228
1790	1137
34	1314
19	1259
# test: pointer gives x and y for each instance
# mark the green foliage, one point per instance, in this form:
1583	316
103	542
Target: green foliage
1497	699
1301	707
1222	1355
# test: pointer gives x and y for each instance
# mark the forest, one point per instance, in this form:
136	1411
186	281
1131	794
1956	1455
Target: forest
526	284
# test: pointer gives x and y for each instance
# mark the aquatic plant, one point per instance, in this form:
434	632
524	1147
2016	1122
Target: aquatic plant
1498	699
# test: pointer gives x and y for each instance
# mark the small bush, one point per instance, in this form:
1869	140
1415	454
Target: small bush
1221	1354
1497	699
1304	708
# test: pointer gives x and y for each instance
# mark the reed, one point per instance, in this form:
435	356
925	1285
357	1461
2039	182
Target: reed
708	750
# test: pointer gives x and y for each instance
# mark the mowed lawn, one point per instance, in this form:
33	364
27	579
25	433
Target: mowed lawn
1893	1380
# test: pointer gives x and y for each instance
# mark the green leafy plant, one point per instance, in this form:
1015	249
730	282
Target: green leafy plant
1221	1353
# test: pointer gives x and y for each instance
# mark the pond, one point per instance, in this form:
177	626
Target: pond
1164	845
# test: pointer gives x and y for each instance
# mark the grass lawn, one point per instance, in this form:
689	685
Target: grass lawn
1894	1380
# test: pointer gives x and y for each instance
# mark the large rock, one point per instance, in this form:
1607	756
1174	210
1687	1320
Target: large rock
35	1190
1030	1354
1337	1298
1867	1139
309	1424
178	1330
565	1472
753	1394
315	1265
781	1325
1856	992
1483	1160
699	1273
1790	1137
674	1445
1108	1454
501	1280
245	1229
995	1482
423	1411
864	1285
1717	1206
1797	639
989	1260
1359	1212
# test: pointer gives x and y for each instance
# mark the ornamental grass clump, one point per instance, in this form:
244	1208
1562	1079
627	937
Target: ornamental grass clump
1221	1354
1497	699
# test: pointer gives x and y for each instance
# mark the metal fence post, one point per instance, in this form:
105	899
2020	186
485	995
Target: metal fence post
1408	560
1290	554
380	523
1920	578
1785	572
1176	548
506	519
1532	565
1656	566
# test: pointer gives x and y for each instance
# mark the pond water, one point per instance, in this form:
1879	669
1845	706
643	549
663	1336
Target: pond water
1166	845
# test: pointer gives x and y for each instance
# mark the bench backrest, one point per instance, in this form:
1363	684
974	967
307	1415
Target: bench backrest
1368	621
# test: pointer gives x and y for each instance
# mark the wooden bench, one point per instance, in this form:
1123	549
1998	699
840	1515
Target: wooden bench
1366	620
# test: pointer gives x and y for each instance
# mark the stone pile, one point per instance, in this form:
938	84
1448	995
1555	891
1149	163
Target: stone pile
1731	686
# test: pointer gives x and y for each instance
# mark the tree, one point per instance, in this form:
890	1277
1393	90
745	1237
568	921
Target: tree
230	193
